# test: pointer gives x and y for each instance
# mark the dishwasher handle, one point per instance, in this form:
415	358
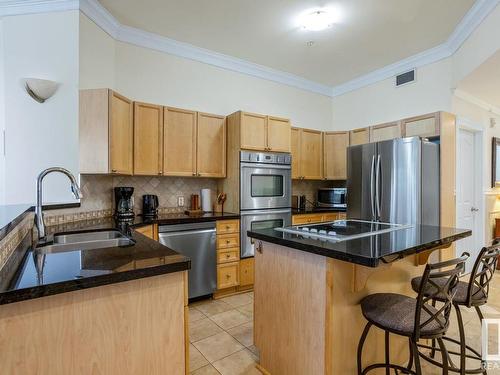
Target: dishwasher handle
186	232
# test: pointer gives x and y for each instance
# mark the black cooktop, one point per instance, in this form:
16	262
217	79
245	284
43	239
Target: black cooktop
346	227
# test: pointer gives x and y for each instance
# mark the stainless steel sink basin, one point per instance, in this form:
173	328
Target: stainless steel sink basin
85	241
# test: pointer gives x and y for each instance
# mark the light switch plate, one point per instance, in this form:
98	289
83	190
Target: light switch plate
180	201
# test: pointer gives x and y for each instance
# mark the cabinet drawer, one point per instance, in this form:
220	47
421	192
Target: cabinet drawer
228	255
331	216
228	226
306	219
228	275
342	216
247	271
226	241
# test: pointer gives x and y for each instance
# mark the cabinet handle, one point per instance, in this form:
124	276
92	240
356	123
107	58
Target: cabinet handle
114	171
199	174
194	174
259	247
228	276
228	241
228	255
228	227
160	173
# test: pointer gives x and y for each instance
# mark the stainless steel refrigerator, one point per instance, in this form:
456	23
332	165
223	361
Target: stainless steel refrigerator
395	181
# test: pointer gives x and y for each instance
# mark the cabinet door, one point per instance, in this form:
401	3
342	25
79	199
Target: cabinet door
228	275
335	155
311	154
385	132
278	134
148	139
422	126
211	145
247	271
179	142
121	133
253	131
295	150
359	136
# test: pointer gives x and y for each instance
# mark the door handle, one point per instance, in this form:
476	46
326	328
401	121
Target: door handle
372	194
377	187
474	209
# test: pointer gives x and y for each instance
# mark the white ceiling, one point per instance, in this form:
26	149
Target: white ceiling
484	81
370	35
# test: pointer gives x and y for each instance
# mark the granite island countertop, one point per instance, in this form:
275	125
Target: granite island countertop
40	275
368	251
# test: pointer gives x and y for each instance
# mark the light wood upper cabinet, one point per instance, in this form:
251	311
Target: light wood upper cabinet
385	132
422	126
311	154
307	154
263	133
121	134
253	131
179	142
278	134
295	151
148	139
105	132
335	155
211	145
359	136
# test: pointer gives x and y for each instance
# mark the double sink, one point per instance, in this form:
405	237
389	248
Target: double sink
86	240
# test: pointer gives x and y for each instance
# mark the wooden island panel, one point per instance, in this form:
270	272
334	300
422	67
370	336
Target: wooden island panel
133	327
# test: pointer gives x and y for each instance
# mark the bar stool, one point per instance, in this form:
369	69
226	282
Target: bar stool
414	318
473	293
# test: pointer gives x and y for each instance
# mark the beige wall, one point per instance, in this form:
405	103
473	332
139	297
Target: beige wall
156	77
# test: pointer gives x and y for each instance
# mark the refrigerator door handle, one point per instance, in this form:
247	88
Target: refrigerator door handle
377	187
372	193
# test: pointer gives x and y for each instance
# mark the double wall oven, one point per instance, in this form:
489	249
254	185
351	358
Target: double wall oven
265	194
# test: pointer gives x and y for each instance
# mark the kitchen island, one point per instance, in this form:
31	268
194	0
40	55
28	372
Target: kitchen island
307	291
111	310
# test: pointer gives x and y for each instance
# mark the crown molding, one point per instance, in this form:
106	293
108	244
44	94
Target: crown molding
104	19
464	95
18	7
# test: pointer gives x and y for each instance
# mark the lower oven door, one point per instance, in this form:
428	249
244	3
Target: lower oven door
265	186
260	219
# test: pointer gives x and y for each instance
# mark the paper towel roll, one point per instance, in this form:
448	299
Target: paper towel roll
206	200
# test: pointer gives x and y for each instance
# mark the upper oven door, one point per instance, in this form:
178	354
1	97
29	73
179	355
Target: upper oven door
265	186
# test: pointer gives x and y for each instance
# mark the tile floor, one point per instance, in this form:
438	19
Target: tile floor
221	336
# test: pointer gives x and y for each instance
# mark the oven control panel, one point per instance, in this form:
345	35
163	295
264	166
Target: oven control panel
283	158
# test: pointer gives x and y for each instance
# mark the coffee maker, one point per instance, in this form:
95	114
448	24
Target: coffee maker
124	202
149	205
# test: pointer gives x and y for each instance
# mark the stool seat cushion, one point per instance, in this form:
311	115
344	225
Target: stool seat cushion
460	297
396	313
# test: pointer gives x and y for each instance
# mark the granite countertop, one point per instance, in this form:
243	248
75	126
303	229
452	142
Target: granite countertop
371	250
40	275
10	216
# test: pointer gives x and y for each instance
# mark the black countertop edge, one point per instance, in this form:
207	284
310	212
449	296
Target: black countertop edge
86	283
181	218
57	206
352	258
316	210
12	222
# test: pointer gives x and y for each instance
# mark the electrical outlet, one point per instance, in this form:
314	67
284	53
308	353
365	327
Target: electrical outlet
180	201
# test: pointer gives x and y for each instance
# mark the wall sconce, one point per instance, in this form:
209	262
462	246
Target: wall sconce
40	89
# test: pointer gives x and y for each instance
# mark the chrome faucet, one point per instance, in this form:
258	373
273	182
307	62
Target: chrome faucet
40	226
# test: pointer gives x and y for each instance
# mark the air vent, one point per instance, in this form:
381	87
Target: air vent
405	78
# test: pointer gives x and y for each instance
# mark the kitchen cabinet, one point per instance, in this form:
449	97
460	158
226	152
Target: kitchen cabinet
179	142
385	132
313	218
307	154
359	136
105	132
261	132
228	275
194	143
228	253
423	126
211	145
150	231
228	226
335	155
148	139
246	272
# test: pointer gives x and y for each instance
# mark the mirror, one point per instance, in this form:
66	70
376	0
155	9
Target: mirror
495	163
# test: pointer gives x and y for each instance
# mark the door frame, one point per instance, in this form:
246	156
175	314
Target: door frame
479	201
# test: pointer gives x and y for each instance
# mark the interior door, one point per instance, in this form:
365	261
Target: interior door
467	211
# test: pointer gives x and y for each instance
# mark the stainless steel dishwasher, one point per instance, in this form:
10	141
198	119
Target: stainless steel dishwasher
196	241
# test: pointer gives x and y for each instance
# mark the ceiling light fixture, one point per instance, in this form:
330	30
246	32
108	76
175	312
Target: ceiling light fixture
317	20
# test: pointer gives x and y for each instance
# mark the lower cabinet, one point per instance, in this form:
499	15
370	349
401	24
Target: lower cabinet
301	219
246	272
150	231
228	275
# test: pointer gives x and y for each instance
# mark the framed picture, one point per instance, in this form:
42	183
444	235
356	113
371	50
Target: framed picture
495	162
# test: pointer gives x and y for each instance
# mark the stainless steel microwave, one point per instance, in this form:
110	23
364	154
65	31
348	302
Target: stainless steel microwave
332	198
